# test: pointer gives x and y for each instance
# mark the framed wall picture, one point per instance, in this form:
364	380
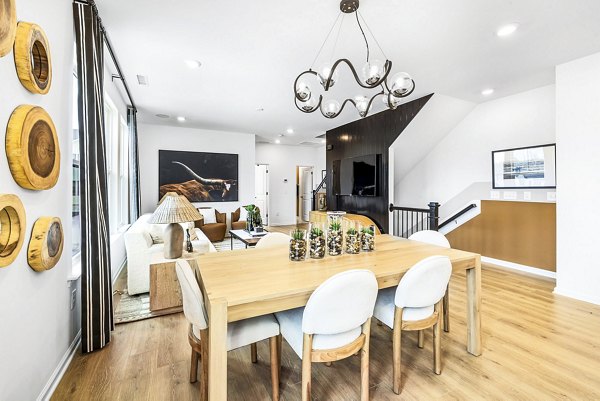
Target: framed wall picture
528	167
199	176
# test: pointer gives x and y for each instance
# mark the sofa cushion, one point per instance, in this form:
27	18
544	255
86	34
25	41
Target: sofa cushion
156	231
210	217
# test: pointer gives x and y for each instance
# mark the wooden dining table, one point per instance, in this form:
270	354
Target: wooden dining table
246	283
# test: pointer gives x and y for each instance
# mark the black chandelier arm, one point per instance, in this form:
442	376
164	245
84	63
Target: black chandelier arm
318	106
387	68
311	72
371	102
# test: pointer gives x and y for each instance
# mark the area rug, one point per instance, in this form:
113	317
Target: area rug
132	308
225	245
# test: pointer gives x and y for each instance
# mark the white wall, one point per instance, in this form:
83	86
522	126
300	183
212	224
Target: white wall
463	157
36	323
153	138
282	161
578	141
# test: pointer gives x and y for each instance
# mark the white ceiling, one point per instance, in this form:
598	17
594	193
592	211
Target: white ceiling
251	52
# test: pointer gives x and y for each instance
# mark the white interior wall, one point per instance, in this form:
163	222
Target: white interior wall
153	138
578	141
463	157
37	325
282	161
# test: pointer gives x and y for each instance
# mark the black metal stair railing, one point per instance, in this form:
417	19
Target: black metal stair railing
409	220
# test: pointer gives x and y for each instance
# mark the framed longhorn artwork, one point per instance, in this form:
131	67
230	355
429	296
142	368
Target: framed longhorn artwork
199	176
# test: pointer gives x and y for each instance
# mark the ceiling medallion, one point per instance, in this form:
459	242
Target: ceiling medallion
374	74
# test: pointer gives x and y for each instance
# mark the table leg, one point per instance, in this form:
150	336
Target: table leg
474	308
217	354
231	242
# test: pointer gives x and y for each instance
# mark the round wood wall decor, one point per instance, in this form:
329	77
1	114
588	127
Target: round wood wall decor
12	228
46	244
32	58
8	26
32	148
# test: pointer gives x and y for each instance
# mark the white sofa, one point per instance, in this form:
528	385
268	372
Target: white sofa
140	246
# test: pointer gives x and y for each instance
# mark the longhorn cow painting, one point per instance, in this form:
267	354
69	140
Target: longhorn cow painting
199	176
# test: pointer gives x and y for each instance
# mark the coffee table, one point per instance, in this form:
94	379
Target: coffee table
244	236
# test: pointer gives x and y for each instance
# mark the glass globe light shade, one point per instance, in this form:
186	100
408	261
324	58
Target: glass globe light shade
303	92
401	84
391	101
323	73
310	104
331	107
362	104
372	71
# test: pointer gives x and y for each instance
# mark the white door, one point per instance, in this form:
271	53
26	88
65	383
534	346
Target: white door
261	191
306	186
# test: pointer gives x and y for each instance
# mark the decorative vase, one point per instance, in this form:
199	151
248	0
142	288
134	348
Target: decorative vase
368	239
335	237
316	239
298	245
353	237
249	223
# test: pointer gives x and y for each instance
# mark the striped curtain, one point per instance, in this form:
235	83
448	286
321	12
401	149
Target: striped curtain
96	286
134	166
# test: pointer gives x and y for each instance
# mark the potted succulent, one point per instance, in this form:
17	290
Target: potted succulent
353	239
298	245
368	239
334	238
316	239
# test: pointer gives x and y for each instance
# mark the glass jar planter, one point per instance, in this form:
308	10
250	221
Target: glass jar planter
353	237
335	236
368	239
297	245
316	241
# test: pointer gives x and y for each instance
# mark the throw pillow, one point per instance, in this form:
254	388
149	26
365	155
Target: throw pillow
156	233
210	217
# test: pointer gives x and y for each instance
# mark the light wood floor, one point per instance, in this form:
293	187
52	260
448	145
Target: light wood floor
536	346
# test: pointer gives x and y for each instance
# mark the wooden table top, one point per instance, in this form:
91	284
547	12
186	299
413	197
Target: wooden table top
260	275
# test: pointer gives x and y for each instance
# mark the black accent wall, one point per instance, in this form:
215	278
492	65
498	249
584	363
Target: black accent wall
370	135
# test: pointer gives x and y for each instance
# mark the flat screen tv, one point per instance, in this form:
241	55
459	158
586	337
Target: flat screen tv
356	176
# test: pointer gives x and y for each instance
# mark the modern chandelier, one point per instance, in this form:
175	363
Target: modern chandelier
374	74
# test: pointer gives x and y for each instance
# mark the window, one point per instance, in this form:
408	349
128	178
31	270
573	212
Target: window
117	158
75	205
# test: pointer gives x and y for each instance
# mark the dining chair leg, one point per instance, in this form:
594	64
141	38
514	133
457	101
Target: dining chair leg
421	341
364	362
279	340
194	367
446	309
204	362
437	341
397	350
306	366
274	367
253	353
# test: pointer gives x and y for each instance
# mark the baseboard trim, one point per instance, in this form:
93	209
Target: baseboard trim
570	294
116	276
515	266
60	370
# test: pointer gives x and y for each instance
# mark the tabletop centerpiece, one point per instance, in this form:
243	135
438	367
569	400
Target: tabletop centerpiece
353	237
297	245
335	235
316	239
368	238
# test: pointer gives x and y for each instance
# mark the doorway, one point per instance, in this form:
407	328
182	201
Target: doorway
261	191
304	187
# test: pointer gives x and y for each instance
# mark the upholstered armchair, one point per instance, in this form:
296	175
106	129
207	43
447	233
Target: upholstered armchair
238	218
214	227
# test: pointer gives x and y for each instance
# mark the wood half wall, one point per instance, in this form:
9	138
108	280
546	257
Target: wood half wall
518	232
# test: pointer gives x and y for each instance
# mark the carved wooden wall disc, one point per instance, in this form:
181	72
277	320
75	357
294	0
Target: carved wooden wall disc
12	228
32	58
46	244
32	148
8	26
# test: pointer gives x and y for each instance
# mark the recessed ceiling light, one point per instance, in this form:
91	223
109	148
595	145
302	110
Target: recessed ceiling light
507	30
193	64
487	92
162	115
277	141
181	119
290	131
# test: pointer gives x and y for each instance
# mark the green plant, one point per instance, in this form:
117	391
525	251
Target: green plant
351	231
367	231
335	226
254	214
316	232
297	234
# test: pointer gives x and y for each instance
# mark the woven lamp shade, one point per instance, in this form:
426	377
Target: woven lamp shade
174	208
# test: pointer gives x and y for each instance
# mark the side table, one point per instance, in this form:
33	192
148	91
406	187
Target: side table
165	292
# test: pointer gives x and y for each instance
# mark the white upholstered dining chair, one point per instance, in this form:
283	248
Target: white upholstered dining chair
239	334
334	325
415	305
439	239
273	240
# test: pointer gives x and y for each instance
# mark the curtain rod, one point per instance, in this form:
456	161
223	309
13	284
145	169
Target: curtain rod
110	49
